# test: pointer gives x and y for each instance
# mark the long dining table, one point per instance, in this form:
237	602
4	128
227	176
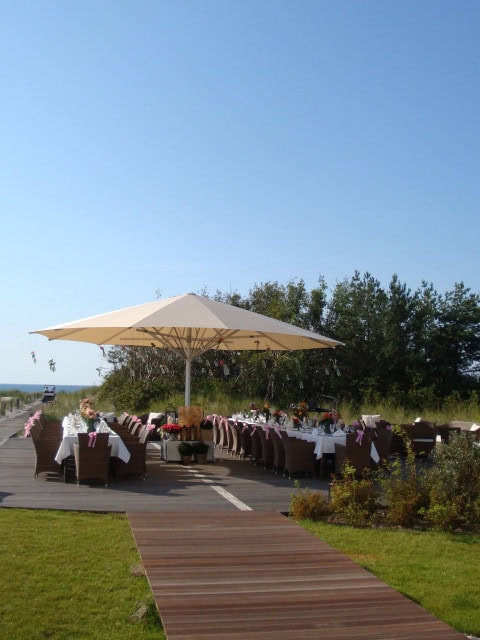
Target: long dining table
73	425
324	442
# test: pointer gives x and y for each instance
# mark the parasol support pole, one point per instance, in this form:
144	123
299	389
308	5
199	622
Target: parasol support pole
188	372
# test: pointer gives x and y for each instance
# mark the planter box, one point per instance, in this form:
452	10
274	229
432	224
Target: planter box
170	451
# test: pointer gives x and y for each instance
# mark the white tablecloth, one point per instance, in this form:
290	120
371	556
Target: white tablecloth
323	443
70	430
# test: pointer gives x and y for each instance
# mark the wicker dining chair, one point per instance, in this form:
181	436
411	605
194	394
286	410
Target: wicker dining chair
267	448
46	447
137	464
245	442
355	453
278	452
299	457
92	457
256	455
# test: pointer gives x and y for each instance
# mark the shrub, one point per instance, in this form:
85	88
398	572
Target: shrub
454	484
403	489
185	448
353	500
200	447
309	505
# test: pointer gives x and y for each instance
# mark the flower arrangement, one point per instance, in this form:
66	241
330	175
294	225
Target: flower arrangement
171	430
278	416
301	410
88	413
86	408
266	410
328	417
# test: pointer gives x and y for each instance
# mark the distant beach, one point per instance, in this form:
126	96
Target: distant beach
38	388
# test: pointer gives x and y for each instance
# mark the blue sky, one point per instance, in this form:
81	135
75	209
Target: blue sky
174	146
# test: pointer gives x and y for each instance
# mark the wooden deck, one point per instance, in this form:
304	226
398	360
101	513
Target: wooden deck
250	575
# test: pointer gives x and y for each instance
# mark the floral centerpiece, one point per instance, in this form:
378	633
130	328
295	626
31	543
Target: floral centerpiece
171	430
278	416
266	410
328	419
88	413
300	411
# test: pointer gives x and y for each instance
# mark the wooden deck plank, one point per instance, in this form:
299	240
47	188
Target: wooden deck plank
258	576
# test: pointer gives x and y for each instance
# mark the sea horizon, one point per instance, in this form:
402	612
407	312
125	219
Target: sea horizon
38	388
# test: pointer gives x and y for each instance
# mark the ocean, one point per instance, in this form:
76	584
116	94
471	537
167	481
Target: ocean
38	388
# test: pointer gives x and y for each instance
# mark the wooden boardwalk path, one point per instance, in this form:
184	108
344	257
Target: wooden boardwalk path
250	575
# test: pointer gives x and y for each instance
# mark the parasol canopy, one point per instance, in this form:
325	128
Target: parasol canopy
189	325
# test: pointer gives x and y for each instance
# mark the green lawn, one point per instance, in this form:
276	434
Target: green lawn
439	571
68	576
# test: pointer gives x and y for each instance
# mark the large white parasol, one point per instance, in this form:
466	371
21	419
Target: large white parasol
190	325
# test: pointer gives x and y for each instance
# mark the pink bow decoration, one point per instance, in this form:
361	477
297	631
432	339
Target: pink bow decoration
27	427
267	431
92	438
359	437
150	427
277	431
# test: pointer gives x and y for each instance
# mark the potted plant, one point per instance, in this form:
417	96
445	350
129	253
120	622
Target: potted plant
206	428
185	449
200	449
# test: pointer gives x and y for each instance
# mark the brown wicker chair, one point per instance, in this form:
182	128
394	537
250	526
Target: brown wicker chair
46	446
223	438
444	431
299	457
422	437
382	443
357	455
245	442
267	448
137	465
234	439
278	452
92	462
256	455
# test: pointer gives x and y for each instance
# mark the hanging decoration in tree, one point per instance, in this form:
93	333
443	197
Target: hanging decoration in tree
34	357
51	364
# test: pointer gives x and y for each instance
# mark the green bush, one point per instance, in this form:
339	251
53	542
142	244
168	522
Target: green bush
354	500
309	505
185	448
454	484
403	489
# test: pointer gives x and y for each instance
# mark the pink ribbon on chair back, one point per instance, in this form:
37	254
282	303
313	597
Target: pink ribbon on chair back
27	427
92	438
266	428
359	437
277	430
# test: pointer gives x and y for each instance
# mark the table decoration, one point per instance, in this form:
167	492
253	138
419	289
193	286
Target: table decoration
88	413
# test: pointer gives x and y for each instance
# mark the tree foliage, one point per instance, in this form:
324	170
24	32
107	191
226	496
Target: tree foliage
408	347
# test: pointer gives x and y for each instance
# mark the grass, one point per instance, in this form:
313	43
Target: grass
67	576
436	570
